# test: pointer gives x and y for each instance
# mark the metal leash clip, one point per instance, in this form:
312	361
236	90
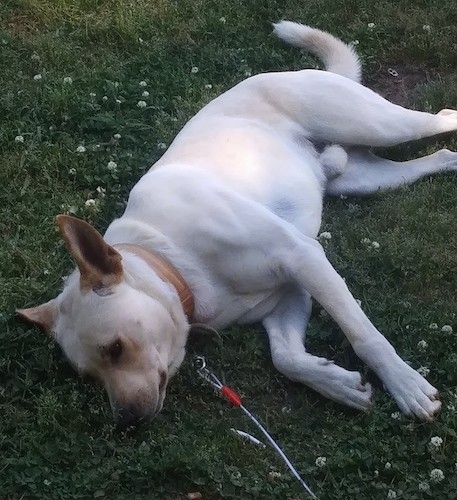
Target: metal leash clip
205	374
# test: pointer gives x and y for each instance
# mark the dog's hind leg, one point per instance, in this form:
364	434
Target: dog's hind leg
333	109
366	173
286	327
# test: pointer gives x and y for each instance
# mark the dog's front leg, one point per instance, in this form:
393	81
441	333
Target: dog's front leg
304	261
286	330
294	259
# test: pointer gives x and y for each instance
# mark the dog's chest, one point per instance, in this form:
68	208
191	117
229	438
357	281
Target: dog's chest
242	308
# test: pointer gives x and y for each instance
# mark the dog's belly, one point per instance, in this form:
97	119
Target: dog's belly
268	166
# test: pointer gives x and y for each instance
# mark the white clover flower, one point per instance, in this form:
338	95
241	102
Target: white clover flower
161	146
248	73
274	474
80	149
325	236
387	465
118	101
143	84
105	98
376	473
93	94
422	345
72	171
375	245
19	138
435	442
70	209
117	136
116	85
101	191
396	415
145	94
68	80
436	475
426	27
208	86
90	202
391	494
112	166
433	326
222	20
446	329
365	241
38	77
142	104
321	461
371	25
423	486
423	370
194	70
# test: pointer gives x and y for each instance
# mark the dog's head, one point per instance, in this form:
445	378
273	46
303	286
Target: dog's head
116	321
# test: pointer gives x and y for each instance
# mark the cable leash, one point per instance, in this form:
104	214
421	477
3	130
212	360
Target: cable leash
232	397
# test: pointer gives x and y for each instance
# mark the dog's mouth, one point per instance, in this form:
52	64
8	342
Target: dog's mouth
136	412
131	417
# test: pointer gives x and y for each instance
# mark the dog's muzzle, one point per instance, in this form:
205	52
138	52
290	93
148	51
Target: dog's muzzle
130	417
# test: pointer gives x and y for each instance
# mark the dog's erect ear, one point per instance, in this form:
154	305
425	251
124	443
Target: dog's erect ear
99	263
42	316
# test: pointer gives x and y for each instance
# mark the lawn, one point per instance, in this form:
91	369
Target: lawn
92	92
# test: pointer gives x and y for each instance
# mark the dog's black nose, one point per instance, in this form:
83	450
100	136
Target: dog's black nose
127	418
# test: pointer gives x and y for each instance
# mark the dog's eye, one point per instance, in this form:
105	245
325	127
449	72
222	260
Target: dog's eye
115	350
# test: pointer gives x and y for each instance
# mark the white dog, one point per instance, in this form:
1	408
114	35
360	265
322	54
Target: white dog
222	230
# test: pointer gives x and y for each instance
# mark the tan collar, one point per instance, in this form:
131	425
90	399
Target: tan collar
167	272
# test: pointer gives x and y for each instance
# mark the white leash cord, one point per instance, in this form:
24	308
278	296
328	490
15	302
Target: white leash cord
235	400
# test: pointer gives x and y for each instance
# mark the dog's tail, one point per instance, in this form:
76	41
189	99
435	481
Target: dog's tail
337	56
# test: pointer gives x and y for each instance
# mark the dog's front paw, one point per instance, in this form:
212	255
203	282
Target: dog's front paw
413	394
345	387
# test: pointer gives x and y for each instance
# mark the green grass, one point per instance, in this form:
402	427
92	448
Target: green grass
56	435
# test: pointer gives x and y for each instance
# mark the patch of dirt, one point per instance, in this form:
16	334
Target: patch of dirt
22	25
397	81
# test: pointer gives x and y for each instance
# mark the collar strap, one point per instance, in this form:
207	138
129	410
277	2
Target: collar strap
167	272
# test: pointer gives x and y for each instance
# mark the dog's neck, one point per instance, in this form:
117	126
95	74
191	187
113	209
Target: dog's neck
166	271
